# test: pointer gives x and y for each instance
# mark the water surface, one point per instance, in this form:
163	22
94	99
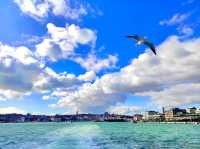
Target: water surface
99	135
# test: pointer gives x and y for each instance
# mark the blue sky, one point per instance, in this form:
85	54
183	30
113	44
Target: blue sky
103	70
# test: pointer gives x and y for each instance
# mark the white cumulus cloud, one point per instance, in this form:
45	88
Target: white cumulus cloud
88	76
92	63
176	95
21	74
18	70
39	9
63	41
186	31
161	77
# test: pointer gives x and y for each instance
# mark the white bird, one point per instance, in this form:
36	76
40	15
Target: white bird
142	40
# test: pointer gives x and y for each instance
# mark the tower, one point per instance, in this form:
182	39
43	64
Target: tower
163	110
76	112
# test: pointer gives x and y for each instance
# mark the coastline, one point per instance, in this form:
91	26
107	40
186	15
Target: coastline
138	122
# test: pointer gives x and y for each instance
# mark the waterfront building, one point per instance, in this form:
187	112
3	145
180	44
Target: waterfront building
163	110
169	115
152	116
137	117
197	111
191	110
178	111
12	118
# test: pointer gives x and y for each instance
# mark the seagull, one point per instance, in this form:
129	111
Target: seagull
142	40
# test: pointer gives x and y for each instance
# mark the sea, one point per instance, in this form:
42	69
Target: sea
99	135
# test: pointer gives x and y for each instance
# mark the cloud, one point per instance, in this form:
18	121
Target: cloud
47	48
39	9
92	63
46	97
178	20
18	70
21	54
88	76
89	97
123	109
186	31
175	19
51	80
12	94
176	95
33	9
28	40
63	8
21	73
57	93
176	66
63	41
11	110
72	33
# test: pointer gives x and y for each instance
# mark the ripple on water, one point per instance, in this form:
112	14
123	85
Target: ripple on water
99	136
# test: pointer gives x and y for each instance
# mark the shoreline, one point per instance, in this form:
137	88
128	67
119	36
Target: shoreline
139	122
197	123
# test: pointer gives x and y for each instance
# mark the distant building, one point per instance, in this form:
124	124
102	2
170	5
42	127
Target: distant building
163	110
106	114
169	115
152	115
173	112
191	110
12	118
178	111
137	117
197	111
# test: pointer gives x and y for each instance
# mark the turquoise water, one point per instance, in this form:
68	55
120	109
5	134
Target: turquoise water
99	135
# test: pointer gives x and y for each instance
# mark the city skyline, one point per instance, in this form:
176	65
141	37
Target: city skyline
59	57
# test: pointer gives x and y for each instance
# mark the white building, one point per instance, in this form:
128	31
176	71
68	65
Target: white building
197	111
191	110
152	115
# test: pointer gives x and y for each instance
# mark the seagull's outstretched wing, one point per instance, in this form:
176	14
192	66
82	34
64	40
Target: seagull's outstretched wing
136	37
151	46
144	41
